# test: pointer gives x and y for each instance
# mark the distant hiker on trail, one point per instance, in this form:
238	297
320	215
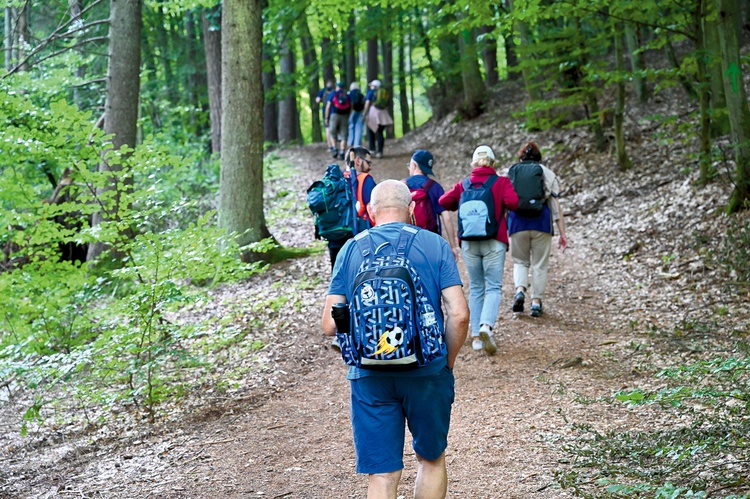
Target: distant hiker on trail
338	108
481	201
530	225
376	115
386	391
426	192
355	118
322	100
362	185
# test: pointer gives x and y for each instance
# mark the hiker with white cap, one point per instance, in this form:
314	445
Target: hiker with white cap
482	200
376	115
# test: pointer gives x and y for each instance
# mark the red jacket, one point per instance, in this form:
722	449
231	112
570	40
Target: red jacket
502	190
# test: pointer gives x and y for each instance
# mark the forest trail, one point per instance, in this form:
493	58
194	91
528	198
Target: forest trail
511	415
287	432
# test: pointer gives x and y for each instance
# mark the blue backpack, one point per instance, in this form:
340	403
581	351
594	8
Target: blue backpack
393	326
330	200
476	211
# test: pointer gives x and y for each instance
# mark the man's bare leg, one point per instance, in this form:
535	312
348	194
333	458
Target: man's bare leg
383	485
432	478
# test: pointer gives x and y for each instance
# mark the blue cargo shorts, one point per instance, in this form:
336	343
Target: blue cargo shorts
383	405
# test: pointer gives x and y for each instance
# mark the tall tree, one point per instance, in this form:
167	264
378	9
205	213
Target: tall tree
241	183
623	161
739	112
373	70
637	63
327	56
403	98
474	90
123	86
288	113
350	50
270	100
489	56
312	72
212	47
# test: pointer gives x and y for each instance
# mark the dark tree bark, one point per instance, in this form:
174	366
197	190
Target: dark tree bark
327	56
241	184
387	47
739	112
489	57
288	115
637	63
310	60
121	102
196	78
589	90
474	90
162	44
350	51
372	59
212	47
623	161
270	100
403	98
511	57
684	81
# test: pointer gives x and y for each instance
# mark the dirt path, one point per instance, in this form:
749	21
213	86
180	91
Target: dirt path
291	437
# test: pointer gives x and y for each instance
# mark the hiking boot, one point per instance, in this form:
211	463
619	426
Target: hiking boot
518	300
335	153
536	310
485	334
477	344
335	344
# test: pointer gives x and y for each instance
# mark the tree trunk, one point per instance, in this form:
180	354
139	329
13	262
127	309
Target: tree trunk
623	161
529	76
403	98
350	51
489	57
388	80
588	90
739	113
121	101
23	33
165	58
270	99
511	57
212	47
8	39
704	99
288	116
411	76
327	56
241	183
684	81
636	62
471	76
718	103
196	78
310	60
372	60
75	7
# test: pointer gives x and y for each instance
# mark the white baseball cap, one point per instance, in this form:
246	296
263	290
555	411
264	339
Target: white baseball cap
482	152
375	83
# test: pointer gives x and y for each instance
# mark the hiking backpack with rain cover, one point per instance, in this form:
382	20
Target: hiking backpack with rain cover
528	182
330	200
476	210
341	101
393	326
382	97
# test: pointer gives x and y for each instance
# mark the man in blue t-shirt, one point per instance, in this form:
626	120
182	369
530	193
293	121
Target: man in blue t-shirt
420	166
321	99
338	108
382	402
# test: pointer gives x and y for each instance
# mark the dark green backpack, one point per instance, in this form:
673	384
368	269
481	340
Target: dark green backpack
330	200
528	181
382	97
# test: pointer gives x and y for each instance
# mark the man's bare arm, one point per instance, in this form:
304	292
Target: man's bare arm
456	322
449	232
329	327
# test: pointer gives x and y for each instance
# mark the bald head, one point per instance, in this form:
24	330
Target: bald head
390	202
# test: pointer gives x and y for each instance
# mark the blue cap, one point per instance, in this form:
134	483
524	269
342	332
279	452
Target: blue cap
424	159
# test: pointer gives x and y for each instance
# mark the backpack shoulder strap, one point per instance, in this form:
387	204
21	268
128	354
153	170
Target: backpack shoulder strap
491	181
361	177
427	185
405	239
466	183
365	243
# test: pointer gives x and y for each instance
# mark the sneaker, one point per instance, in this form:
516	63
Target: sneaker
335	153
477	344
536	310
335	344
378	155
485	334
518	300
341	156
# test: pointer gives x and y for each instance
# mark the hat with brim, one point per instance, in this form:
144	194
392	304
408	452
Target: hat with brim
424	160
375	83
482	152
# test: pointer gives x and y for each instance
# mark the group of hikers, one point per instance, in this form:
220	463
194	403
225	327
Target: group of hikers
346	113
395	304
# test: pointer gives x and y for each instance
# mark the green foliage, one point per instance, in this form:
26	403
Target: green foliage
73	333
702	454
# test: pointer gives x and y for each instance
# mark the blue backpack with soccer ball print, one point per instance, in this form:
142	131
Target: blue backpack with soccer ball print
393	326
